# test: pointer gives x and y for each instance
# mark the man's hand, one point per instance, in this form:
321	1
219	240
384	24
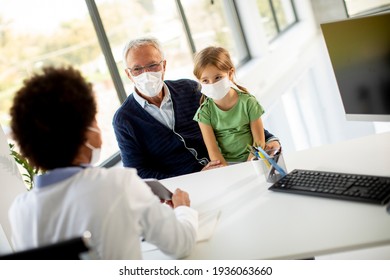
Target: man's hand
212	164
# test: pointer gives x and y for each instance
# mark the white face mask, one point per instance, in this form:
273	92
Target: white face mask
149	83
217	90
95	151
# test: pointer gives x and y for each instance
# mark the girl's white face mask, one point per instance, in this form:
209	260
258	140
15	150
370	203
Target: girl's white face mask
217	90
149	83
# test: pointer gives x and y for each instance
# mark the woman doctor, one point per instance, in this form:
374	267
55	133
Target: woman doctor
53	122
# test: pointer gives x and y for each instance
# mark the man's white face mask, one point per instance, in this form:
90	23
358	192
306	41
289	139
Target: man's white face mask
217	90
149	83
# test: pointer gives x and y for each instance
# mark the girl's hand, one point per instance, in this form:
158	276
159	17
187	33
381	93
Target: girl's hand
260	144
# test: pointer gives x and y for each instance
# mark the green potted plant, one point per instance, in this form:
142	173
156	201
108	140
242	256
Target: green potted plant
29	171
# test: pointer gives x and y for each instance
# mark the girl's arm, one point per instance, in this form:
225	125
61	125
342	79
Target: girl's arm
257	134
211	143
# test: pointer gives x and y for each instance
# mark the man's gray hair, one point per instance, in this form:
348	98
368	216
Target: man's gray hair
140	42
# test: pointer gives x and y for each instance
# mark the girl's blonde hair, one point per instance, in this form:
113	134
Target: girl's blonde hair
218	57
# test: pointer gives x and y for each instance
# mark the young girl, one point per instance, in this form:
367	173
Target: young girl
228	117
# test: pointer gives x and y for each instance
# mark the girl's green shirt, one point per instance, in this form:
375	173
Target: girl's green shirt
231	128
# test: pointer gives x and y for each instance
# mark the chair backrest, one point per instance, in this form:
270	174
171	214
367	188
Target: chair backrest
5	246
72	249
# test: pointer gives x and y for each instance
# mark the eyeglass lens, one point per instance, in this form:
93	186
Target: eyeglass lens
148	68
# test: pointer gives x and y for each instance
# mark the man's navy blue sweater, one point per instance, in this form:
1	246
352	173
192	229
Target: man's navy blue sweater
151	147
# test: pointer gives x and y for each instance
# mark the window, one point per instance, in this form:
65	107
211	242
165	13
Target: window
90	36
124	20
215	23
60	34
277	16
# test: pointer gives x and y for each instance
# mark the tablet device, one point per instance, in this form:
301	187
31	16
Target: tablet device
159	189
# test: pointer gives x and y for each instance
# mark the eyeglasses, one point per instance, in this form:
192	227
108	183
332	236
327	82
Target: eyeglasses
155	67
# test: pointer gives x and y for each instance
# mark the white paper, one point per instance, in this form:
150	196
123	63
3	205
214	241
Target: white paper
207	224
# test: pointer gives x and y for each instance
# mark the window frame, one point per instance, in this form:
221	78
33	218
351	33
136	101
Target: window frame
280	31
235	24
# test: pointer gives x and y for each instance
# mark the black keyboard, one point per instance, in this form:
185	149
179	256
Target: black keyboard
356	187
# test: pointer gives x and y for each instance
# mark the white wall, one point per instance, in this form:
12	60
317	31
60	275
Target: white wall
276	64
292	78
11	183
328	10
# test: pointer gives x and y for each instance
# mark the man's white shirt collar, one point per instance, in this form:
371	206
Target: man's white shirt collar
143	101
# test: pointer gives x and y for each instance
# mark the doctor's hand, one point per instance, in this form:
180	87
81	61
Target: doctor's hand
180	198
167	202
212	164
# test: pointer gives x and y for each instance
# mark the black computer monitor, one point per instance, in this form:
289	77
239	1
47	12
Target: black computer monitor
359	50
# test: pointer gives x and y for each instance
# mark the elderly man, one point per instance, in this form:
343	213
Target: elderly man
154	127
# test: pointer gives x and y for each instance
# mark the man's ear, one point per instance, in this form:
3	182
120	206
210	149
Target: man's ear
164	64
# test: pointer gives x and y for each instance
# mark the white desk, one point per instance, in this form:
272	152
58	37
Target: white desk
256	223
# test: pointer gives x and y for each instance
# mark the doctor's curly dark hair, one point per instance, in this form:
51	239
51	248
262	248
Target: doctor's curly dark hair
50	115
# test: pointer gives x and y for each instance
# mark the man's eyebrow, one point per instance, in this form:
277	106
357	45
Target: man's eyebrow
150	63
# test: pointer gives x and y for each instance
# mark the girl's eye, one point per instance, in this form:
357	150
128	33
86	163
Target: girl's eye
204	81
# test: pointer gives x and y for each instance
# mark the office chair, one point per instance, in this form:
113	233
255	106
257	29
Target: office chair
72	249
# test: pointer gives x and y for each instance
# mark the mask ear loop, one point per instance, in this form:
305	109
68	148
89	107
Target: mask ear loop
90	146
94	129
